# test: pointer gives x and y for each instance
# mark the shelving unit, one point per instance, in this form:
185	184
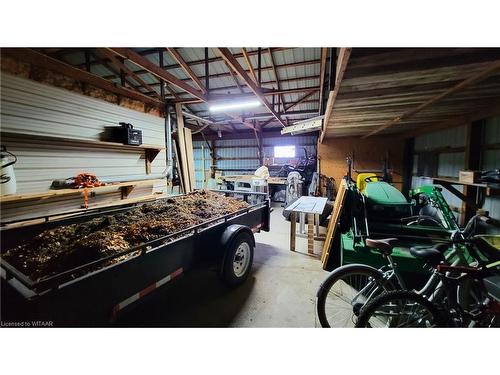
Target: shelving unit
150	151
485	189
125	187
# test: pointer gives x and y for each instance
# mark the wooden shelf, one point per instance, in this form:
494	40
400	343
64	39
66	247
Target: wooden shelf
150	151
126	188
453	181
83	141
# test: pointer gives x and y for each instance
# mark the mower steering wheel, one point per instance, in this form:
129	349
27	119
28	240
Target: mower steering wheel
369	178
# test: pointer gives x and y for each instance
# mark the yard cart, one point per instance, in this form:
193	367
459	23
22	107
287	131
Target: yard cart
90	295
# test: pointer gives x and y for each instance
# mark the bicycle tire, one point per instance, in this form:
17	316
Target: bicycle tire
427	316
340	274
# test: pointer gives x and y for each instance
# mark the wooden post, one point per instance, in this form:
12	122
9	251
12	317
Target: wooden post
202	167
189	157
310	233
182	148
214	159
474	140
293	228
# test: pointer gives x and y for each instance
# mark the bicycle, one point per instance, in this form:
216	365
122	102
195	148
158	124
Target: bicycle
403	308
347	289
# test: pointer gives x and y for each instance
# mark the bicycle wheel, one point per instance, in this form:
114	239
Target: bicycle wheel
343	293
400	308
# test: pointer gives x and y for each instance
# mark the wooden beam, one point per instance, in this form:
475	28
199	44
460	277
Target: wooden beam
217	75
278	84
116	62
489	111
265	90
249	64
265	123
475	78
38	59
322	70
342	61
183	162
234	64
300	100
275	92
241	121
157	71
235	79
187	69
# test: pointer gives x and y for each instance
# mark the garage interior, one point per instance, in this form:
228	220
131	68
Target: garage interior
291	141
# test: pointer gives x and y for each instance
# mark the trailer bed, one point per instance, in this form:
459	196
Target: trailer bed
89	295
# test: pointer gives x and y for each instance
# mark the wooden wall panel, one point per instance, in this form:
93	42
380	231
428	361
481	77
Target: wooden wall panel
368	154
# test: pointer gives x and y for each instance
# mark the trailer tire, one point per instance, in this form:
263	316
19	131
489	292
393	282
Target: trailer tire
238	259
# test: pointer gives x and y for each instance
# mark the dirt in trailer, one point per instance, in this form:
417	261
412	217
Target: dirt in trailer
63	248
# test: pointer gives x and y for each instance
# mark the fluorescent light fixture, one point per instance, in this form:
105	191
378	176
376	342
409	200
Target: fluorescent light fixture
234	106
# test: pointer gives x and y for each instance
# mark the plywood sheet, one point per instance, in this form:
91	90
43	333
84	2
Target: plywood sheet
332	225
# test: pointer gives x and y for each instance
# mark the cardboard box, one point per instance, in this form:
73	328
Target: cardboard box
469	177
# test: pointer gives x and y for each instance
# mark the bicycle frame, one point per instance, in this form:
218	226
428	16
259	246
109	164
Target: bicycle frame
432	289
458	314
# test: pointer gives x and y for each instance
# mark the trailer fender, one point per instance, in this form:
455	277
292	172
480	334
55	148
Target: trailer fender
231	232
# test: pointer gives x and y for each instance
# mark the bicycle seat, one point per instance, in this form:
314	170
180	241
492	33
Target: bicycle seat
431	255
384	245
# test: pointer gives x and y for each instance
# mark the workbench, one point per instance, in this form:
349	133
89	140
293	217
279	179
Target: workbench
312	207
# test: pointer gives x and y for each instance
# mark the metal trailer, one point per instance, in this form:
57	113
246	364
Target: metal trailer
97	295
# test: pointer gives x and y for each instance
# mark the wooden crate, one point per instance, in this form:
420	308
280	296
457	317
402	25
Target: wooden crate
469	177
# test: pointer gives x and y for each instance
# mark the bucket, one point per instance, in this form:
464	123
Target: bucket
8	178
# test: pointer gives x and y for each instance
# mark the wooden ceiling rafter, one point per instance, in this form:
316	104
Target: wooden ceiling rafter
187	69
235	65
115	61
473	79
301	100
235	79
249	95
38	59
249	65
217	75
278	83
158	71
322	70
493	109
342	61
63	51
270	91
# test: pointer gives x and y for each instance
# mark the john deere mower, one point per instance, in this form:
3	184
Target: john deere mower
374	208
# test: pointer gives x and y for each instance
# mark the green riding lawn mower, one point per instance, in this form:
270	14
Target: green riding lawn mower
374	208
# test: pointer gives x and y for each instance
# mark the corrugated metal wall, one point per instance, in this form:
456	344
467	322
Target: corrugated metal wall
491	160
29	108
240	156
452	161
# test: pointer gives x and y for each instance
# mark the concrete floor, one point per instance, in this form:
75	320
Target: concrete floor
280	291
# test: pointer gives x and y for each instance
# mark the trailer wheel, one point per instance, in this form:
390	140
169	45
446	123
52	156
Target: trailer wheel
238	259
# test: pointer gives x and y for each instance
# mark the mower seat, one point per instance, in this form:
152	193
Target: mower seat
360	180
